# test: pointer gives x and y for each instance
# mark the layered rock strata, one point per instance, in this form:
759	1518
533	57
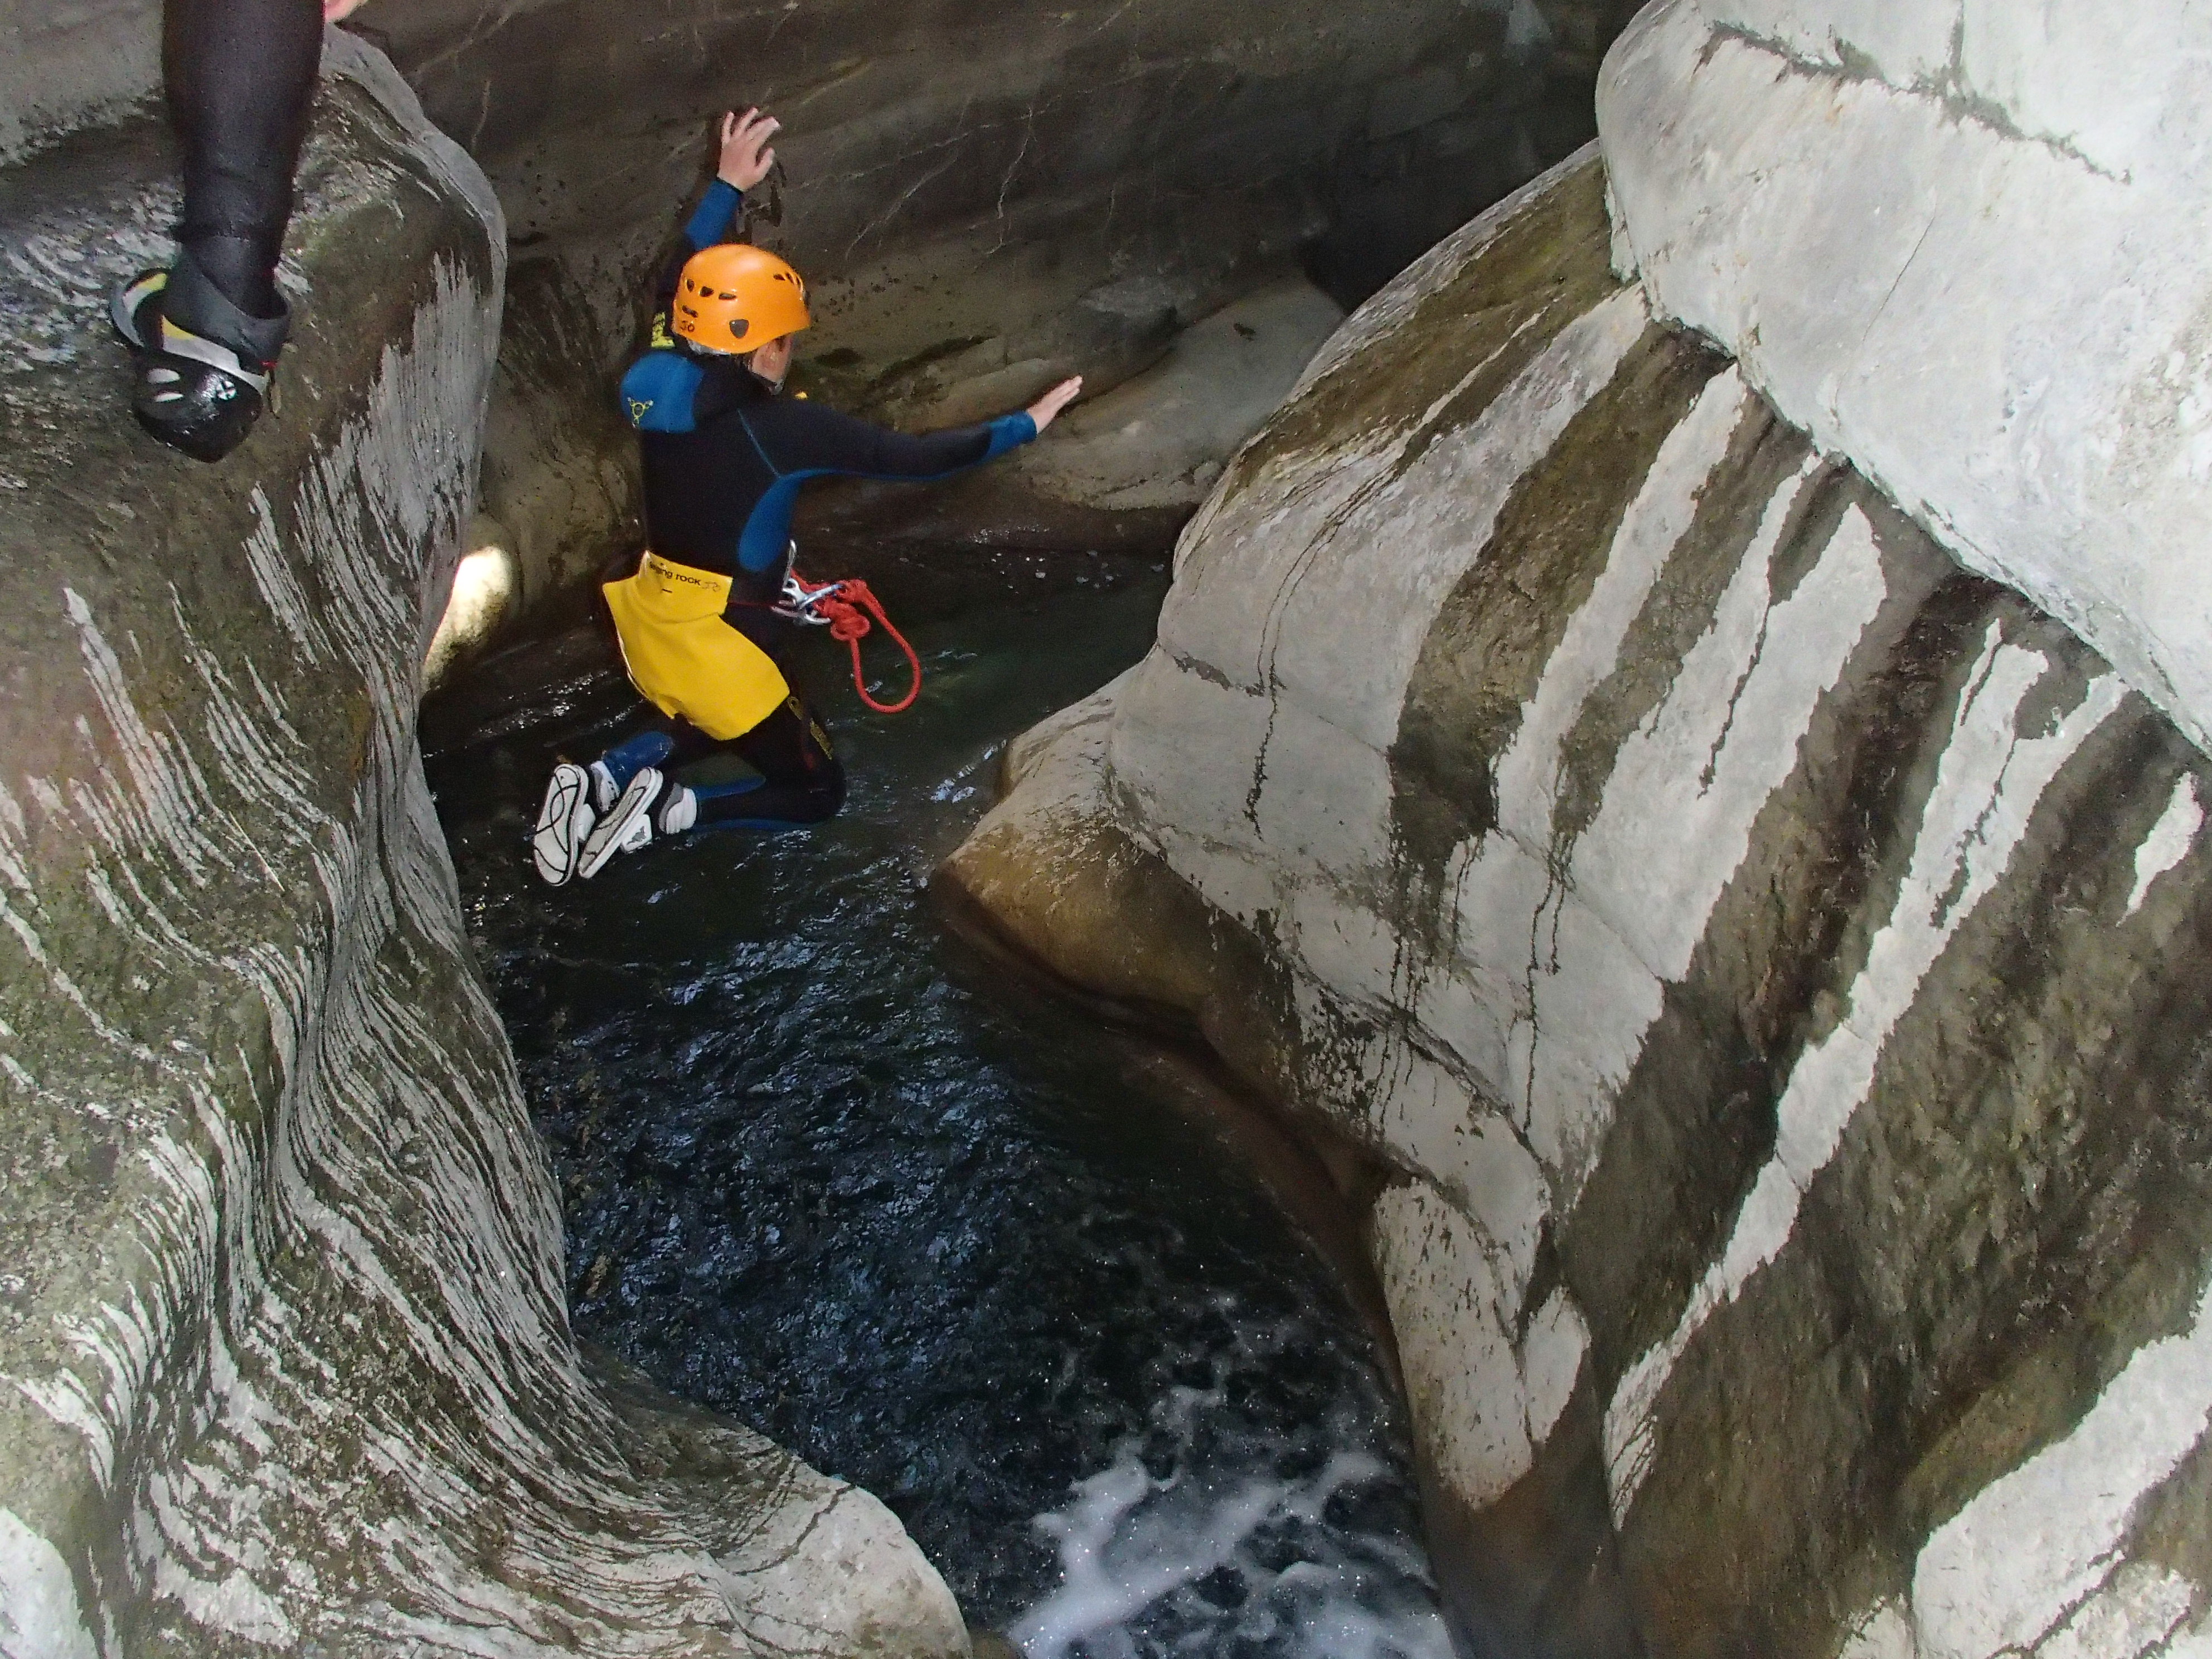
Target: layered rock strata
285	1361
1769	955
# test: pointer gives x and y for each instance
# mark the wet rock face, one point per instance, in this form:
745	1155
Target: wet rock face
1771	956
285	1363
983	199
1817	185
909	122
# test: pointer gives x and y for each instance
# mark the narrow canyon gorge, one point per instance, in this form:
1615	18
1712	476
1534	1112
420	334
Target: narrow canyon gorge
1588	750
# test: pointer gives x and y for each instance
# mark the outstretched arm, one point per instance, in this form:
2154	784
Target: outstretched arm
747	156
810	439
801	440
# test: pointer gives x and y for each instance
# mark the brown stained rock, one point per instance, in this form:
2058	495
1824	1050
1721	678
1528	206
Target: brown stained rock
1495	634
1885	1235
1695	1117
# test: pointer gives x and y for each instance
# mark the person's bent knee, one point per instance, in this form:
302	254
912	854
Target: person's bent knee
825	793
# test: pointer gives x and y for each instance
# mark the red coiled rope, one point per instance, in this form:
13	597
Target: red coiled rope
840	604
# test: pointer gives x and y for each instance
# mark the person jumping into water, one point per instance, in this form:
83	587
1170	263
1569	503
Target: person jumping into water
204	332
704	624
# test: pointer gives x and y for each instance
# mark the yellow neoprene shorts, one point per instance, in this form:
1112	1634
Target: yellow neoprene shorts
683	658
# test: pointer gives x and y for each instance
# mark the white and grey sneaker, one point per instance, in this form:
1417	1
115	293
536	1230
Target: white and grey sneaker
678	811
626	829
564	822
605	793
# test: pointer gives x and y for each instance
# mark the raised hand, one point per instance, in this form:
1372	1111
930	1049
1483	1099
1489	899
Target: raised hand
1045	407
334	9
747	156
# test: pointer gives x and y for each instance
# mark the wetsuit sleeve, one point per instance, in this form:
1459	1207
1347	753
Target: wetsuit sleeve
797	440
717	211
710	222
811	440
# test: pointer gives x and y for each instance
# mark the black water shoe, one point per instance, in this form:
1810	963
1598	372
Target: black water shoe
201	365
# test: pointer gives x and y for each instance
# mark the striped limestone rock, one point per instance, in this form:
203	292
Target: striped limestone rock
285	1361
1769	957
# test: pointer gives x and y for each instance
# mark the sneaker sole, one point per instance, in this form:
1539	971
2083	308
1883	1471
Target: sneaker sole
612	833
564	822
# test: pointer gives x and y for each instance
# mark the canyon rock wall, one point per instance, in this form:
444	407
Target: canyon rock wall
1962	243
285	1360
983	198
1768	958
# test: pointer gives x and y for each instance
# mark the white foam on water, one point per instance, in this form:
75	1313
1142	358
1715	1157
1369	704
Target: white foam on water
1222	1553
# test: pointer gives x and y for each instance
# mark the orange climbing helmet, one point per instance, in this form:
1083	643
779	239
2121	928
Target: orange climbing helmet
734	297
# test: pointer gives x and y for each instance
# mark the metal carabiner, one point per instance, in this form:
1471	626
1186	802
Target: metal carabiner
799	600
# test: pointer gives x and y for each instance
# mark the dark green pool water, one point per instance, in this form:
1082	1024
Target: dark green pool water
828	1172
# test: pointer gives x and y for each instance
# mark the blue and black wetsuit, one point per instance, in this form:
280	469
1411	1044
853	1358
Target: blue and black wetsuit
725	456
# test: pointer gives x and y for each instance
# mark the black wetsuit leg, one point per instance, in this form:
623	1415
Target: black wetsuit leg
803	780
240	76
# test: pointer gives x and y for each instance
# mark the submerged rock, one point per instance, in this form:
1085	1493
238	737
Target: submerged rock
1770	956
283	1325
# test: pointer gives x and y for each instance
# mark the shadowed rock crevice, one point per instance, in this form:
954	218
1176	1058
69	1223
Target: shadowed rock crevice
1539	1564
1497	630
1762	453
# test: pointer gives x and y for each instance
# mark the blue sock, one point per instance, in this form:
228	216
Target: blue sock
633	755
